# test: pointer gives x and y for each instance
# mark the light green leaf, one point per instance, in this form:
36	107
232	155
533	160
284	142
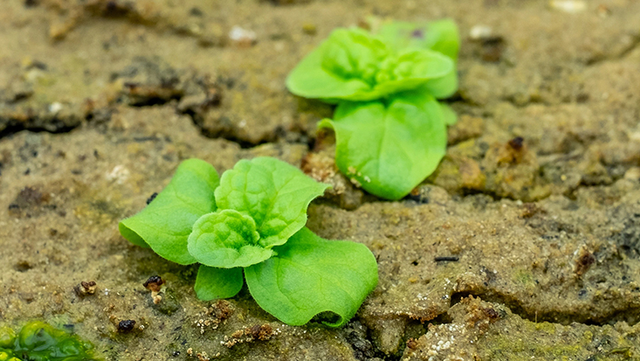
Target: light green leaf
357	66
275	194
429	71
441	36
343	65
165	224
389	148
450	116
443	87
448	38
311	275
226	239
216	283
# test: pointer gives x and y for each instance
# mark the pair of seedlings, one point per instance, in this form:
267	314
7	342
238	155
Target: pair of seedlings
250	223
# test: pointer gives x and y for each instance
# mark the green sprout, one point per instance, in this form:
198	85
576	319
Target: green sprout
390	129
252	219
38	341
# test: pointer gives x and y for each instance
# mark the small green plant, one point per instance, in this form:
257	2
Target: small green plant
38	341
252	219
390	129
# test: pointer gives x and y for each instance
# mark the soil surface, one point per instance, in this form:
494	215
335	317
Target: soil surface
524	244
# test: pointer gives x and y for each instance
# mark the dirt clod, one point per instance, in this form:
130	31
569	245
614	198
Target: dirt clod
85	288
257	332
126	326
154	283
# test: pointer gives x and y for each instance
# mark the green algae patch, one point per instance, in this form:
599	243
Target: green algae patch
523	276
38	341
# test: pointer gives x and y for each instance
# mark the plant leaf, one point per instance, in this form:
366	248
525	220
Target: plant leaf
226	239
443	87
427	70
441	36
311	275
450	116
275	194
165	224
216	283
354	65
389	148
342	66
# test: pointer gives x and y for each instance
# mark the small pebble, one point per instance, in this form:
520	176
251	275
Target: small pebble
85	288
632	174
153	283
568	6
125	326
309	29
242	37
480	32
55	107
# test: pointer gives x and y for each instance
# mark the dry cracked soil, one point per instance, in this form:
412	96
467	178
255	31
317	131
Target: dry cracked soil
523	245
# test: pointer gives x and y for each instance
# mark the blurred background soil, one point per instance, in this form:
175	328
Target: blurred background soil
524	244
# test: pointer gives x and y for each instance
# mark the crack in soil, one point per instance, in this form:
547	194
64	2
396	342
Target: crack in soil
635	42
629	315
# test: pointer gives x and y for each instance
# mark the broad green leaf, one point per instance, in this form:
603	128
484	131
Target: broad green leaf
216	283
355	65
389	148
165	224
275	194
441	36
311	275
226	239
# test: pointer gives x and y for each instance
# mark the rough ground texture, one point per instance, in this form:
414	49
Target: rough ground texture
524	244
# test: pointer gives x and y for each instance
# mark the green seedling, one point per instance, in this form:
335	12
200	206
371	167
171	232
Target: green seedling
390	128
252	221
38	341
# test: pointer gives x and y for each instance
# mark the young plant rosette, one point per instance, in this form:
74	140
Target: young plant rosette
252	221
390	128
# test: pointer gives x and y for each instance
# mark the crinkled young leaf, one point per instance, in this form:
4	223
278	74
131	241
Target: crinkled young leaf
226	239
354	65
343	65
416	69
441	36
216	283
275	194
165	224
389	148
311	275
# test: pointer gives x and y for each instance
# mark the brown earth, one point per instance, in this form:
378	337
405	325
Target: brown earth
535	210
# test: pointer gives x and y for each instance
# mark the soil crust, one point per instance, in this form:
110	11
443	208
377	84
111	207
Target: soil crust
525	242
